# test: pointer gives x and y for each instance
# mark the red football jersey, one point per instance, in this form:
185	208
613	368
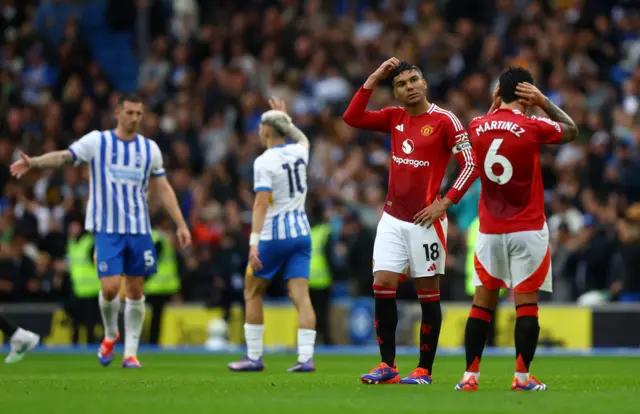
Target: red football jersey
421	147
507	144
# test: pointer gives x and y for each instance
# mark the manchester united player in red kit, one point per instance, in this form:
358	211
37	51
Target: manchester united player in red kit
413	228
512	250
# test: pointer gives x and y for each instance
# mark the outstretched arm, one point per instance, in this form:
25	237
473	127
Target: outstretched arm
49	160
52	159
81	150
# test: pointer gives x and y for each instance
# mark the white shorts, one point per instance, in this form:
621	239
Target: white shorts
400	245
520	261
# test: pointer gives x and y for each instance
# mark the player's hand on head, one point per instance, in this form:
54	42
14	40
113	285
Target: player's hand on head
184	237
22	166
254	258
530	95
277	104
386	68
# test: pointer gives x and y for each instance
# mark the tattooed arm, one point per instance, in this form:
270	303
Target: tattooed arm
531	96
569	128
52	159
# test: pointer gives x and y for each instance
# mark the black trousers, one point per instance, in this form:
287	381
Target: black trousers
320	301
158	303
84	312
491	335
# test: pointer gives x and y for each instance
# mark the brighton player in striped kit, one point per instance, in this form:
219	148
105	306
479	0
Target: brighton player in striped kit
280	237
124	167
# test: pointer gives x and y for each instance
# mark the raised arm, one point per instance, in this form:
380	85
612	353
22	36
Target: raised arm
285	124
569	128
530	95
357	115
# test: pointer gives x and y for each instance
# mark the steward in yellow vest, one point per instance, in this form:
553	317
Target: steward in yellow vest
320	276
84	277
85	284
167	280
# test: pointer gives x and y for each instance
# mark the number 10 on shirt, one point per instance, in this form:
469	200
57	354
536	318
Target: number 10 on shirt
294	171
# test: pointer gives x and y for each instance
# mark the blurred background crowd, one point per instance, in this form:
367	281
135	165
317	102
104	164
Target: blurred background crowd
205	69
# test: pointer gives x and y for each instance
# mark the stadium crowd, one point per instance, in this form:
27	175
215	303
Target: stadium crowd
206	69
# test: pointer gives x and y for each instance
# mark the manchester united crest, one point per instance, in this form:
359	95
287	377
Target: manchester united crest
426	130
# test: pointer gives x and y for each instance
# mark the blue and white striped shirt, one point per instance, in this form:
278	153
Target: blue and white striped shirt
119	183
282	171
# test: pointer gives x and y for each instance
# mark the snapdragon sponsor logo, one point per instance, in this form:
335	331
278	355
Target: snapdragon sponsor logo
407	161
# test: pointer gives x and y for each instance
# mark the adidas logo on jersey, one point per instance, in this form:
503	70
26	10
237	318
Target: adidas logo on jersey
400	127
407	161
432	268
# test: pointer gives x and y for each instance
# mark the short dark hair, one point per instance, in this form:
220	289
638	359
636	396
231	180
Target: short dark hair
403	67
509	79
129	97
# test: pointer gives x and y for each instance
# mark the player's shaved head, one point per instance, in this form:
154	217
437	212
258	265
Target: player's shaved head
129	110
129	97
509	80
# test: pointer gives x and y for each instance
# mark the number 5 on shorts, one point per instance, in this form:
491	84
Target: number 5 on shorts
148	258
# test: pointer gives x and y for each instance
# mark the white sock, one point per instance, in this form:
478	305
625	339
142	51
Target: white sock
253	335
109	309
133	320
468	375
522	377
306	342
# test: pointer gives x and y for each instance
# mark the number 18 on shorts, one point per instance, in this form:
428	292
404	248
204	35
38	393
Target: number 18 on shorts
400	245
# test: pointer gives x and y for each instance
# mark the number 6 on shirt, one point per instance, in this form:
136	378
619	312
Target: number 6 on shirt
494	158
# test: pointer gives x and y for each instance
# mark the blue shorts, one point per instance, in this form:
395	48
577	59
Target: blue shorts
125	254
293	256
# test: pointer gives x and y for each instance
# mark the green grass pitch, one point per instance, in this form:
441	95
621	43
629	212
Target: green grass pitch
193	384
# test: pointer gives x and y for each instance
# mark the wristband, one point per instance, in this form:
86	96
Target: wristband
254	239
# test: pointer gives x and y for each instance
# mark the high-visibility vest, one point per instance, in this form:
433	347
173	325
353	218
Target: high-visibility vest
167	280
320	276
472	238
84	276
